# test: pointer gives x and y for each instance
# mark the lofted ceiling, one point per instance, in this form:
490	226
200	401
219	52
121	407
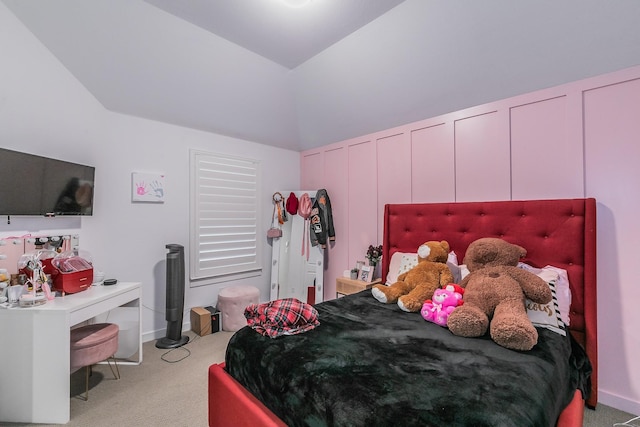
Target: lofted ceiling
299	78
286	35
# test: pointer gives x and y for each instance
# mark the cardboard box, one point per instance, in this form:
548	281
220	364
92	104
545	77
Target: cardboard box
216	319
200	321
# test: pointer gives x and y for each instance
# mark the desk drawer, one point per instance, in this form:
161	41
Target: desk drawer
101	306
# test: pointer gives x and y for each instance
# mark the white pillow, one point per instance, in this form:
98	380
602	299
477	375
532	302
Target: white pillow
401	262
563	292
452	263
547	315
394	266
464	271
561	286
407	263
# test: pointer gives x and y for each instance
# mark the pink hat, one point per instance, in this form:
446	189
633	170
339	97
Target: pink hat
304	206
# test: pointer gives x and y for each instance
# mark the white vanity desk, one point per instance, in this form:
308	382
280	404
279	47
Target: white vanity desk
35	348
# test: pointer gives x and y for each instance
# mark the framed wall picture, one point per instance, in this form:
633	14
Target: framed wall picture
147	187
366	273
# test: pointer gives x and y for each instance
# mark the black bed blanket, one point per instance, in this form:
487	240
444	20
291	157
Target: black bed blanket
371	364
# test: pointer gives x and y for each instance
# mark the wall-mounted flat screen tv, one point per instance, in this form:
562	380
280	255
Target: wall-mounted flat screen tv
36	185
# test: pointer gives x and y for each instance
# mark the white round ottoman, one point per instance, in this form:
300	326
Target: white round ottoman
232	301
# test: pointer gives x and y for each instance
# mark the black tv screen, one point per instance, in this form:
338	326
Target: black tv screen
36	185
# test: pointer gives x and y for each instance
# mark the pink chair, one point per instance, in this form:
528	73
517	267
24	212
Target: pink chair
91	344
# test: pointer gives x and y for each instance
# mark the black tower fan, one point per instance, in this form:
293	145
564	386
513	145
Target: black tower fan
175	298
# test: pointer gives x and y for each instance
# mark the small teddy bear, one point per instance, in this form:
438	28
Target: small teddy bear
416	285
494	296
444	301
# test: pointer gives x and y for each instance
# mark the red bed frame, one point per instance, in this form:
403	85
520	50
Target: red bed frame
558	232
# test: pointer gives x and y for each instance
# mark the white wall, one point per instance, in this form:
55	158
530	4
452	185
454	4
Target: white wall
45	111
139	60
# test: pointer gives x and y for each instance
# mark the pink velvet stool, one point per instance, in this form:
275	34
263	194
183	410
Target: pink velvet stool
91	344
232	301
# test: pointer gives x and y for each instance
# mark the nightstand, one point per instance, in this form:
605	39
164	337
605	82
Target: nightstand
346	286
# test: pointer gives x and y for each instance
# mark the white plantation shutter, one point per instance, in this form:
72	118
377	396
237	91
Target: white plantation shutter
224	220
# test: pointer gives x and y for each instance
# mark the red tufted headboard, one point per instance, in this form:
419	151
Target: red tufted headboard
559	232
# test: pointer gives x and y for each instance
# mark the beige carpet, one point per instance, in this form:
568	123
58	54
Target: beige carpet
605	416
169	388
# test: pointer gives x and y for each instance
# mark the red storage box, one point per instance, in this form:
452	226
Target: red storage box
70	283
73	272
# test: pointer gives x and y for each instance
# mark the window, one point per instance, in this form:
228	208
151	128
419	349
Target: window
224	217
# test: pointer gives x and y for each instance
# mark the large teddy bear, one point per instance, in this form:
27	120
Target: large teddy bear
494	295
419	283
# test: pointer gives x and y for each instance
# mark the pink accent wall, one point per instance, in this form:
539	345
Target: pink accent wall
313	171
362	215
337	163
482	157
549	160
432	164
612	163
574	140
392	152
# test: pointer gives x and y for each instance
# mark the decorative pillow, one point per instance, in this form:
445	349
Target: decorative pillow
394	267
547	315
561	284
464	271
401	262
563	290
452	263
408	262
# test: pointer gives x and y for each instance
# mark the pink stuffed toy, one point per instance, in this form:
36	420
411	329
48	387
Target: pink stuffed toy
444	301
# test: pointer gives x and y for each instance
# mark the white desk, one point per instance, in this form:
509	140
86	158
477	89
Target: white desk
35	349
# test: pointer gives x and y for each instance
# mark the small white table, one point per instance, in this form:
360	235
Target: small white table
35	351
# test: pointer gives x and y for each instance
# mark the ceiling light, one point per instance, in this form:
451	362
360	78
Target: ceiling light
296	3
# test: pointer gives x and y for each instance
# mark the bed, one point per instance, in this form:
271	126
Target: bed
372	364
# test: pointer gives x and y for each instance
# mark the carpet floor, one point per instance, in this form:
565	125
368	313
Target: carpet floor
169	388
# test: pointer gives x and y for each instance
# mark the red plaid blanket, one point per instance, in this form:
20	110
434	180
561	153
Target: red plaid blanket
286	316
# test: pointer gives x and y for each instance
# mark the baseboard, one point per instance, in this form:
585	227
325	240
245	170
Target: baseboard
618	402
161	333
153	335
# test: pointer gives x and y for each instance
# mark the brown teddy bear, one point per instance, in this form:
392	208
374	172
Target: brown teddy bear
418	284
494	296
